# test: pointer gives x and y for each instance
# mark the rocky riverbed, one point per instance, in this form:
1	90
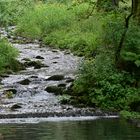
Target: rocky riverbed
30	92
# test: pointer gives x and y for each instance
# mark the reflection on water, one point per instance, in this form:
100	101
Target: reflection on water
106	129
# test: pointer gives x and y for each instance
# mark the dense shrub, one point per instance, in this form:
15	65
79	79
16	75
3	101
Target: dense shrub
10	10
44	19
131	51
8	56
78	37
106	87
70	30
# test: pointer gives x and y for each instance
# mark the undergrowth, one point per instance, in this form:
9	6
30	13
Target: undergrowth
8	56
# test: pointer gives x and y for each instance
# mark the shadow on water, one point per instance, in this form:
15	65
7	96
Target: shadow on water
104	129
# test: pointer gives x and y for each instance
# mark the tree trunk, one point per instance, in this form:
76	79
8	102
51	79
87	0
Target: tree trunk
115	2
136	9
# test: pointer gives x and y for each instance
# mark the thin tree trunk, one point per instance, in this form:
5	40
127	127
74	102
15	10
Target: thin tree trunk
136	9
118	51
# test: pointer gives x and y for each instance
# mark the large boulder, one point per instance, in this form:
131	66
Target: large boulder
55	78
39	57
15	107
54	89
25	82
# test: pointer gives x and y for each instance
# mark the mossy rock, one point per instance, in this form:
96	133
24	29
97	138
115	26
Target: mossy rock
35	64
14	91
26	59
69	80
39	57
54	89
16	106
62	85
55	78
10	93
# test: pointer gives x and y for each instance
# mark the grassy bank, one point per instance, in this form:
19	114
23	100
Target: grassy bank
8	55
72	30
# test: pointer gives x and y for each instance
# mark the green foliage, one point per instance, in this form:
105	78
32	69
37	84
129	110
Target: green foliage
131	51
130	115
79	40
64	98
112	29
106	87
44	19
70	30
10	10
9	94
7	55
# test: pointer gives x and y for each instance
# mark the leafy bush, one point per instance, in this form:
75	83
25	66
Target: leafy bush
70	30
10	10
131	51
44	19
113	27
130	115
82	37
7	56
106	87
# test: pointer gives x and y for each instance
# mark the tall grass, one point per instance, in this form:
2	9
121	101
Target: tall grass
44	19
8	56
10	10
62	26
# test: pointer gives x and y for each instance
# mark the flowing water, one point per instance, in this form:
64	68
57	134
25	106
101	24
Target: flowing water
45	67
29	85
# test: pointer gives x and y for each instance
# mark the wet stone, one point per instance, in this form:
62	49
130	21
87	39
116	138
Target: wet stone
55	78
35	64
16	106
39	57
13	91
62	85
54	50
69	80
0	79
34	76
25	82
56	57
55	62
4	75
54	89
26	59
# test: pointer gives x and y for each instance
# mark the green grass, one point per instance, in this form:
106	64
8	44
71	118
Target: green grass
43	19
8	56
10	10
62	26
